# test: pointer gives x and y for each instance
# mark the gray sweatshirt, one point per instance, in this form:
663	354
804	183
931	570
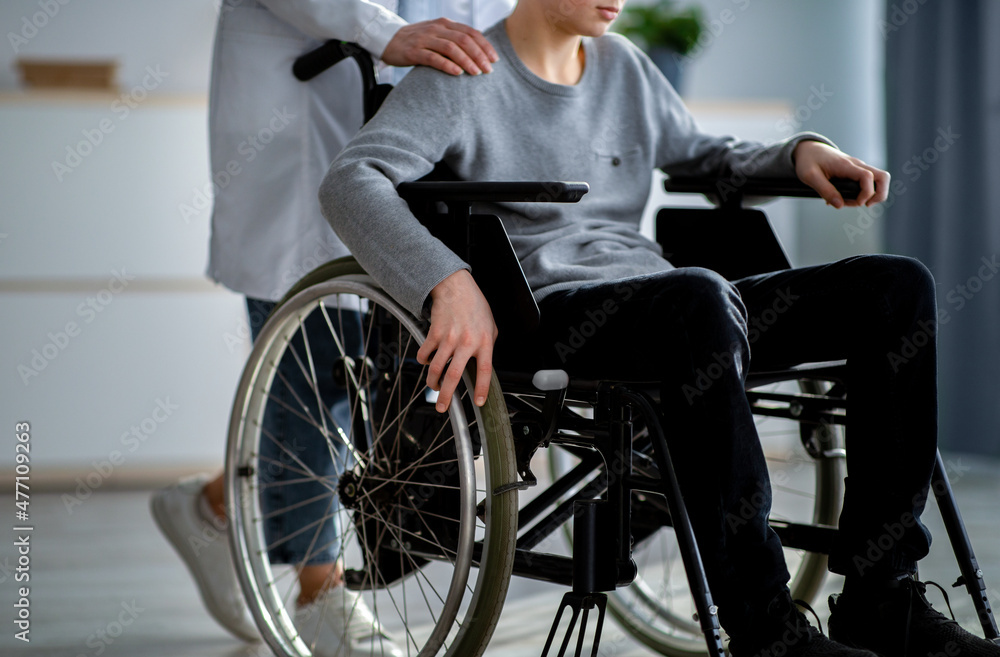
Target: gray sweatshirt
610	130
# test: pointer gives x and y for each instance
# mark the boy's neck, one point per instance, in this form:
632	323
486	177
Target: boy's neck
548	51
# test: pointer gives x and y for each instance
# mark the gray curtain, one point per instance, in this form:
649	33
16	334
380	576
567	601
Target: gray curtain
943	130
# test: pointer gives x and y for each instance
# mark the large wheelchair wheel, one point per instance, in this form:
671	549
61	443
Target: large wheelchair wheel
400	497
657	608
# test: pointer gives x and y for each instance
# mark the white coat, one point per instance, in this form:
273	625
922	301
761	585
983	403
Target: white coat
272	138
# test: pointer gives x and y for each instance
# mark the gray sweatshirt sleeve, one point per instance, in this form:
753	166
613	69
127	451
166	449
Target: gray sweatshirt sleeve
683	149
410	133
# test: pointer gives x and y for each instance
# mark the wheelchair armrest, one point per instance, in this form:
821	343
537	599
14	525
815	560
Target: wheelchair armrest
496	192
729	193
481	240
730	239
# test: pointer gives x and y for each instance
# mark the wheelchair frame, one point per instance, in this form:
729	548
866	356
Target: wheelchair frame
537	405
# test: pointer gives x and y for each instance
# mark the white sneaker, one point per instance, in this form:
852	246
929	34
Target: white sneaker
202	540
339	624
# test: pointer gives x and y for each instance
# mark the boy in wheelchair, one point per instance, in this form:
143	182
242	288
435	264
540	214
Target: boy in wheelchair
567	101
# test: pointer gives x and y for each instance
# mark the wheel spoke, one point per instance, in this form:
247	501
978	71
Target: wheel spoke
285	509
306	470
324	412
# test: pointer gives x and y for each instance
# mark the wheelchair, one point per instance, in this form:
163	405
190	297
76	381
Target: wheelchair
427	505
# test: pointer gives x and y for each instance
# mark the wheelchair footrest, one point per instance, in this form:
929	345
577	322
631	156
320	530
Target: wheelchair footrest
578	602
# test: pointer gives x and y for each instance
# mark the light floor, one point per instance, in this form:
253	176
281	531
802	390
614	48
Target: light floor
87	564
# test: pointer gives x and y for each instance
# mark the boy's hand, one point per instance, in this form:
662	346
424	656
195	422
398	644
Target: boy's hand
444	44
816	163
462	327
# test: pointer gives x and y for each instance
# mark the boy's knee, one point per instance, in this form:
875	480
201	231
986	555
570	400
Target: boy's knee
713	316
897	282
706	294
909	271
700	282
909	284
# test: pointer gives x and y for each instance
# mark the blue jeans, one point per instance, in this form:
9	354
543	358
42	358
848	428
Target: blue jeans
696	334
304	526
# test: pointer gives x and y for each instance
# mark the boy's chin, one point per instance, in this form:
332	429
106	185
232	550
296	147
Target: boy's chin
594	29
583	28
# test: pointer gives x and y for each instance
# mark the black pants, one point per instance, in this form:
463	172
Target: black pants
697	334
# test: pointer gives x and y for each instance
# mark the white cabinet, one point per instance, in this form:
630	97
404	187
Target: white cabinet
115	347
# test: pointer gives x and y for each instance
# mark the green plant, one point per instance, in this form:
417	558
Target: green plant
662	24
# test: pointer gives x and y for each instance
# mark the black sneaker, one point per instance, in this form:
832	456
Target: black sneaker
784	631
898	621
